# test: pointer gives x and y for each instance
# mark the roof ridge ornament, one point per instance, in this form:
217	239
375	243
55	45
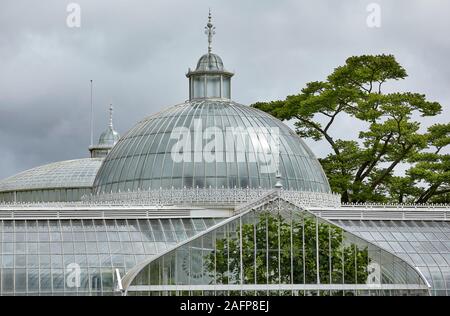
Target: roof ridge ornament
210	30
279	183
107	139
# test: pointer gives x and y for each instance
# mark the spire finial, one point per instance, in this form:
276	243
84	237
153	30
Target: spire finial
111	116
92	116
210	30
279	183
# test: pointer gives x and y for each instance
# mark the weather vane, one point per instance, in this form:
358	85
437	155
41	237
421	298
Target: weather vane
210	30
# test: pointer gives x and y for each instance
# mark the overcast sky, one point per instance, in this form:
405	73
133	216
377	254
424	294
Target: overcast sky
137	53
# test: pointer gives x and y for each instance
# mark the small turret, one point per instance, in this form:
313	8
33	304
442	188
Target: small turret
107	139
209	80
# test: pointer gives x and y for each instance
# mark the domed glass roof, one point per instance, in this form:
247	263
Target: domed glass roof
63	174
144	158
210	142
106	141
210	62
108	138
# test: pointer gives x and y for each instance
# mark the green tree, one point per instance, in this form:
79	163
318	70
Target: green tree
267	257
401	189
362	170
431	169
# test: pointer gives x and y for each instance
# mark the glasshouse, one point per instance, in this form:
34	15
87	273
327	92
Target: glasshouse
210	197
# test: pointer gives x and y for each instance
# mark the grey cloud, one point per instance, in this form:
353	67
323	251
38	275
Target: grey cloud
137	52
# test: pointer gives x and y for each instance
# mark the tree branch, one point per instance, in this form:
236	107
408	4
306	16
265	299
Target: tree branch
361	174
387	171
425	196
323	132
339	109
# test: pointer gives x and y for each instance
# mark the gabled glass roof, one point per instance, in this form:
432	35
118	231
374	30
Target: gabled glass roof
275	246
62	174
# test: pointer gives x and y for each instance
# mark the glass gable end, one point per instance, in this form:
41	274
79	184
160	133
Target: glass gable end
276	249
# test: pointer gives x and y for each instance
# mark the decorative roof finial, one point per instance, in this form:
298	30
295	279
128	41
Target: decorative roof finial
111	116
210	30
278	184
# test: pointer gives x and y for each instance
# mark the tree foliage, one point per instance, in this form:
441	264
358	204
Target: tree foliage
363	169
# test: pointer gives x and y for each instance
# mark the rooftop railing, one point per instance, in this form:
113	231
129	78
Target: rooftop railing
213	197
396	205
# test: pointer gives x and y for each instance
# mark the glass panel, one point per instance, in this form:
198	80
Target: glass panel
213	86
39	256
226	88
198	87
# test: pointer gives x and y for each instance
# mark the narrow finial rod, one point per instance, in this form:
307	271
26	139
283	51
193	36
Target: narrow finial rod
210	30
279	183
111	116
92	116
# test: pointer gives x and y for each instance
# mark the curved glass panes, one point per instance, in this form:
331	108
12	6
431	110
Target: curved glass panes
210	86
426	244
60	181
210	62
79	257
277	250
219	144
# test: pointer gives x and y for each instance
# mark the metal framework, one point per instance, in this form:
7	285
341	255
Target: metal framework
217	202
63	174
276	287
212	196
134	282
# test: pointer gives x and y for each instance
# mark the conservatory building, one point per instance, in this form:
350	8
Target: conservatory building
210	197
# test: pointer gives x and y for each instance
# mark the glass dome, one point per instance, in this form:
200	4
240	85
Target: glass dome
145	159
60	181
210	142
107	139
210	62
